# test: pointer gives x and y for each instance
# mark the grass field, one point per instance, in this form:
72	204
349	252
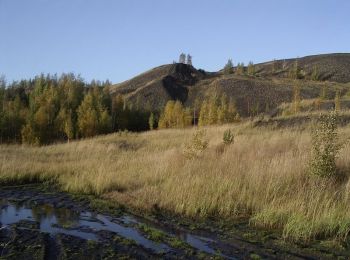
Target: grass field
263	176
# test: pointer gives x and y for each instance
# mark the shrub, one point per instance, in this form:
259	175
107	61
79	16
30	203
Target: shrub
228	137
325	146
197	145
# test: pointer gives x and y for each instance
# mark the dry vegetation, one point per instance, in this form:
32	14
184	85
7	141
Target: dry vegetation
263	175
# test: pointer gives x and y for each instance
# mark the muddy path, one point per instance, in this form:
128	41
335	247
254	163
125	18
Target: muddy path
37	223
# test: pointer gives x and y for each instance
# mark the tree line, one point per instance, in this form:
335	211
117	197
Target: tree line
217	109
52	108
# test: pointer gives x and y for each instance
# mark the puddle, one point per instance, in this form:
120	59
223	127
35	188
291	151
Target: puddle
86	225
64	221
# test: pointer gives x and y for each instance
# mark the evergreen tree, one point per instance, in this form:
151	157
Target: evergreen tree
189	59
228	69
182	58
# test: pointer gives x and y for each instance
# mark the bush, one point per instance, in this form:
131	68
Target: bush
325	146
228	137
197	145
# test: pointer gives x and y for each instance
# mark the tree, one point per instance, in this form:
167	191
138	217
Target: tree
69	126
88	117
222	112
187	117
240	68
315	75
166	120
151	121
217	110
213	111
105	122
295	71
251	69
233	115
93	117
228	69
28	135
119	113
196	107
203	114
175	115
189	59
182	58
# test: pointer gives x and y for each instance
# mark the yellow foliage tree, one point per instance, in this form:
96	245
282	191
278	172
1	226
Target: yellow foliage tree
175	115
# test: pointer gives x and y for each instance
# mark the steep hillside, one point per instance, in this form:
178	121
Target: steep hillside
253	94
155	87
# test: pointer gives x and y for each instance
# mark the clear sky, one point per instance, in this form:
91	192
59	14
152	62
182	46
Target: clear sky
117	39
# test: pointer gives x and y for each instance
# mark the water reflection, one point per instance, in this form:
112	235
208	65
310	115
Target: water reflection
86	225
69	222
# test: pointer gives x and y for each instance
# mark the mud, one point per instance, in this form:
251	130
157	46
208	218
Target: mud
40	224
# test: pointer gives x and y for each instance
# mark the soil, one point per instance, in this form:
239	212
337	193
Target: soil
41	223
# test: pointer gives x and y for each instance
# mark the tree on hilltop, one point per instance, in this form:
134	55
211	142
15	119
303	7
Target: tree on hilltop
182	58
228	69
189	59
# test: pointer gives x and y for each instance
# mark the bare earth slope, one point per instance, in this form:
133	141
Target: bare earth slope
331	67
265	91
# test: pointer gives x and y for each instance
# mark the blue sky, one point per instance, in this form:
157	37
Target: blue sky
117	39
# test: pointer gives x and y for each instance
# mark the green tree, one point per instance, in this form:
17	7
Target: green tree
228	69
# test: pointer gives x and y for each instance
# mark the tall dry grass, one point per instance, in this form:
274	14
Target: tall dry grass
263	176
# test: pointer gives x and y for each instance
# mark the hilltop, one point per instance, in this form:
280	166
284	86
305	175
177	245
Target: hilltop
266	90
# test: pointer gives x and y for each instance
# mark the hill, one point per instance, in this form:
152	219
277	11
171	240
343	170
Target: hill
331	67
263	92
